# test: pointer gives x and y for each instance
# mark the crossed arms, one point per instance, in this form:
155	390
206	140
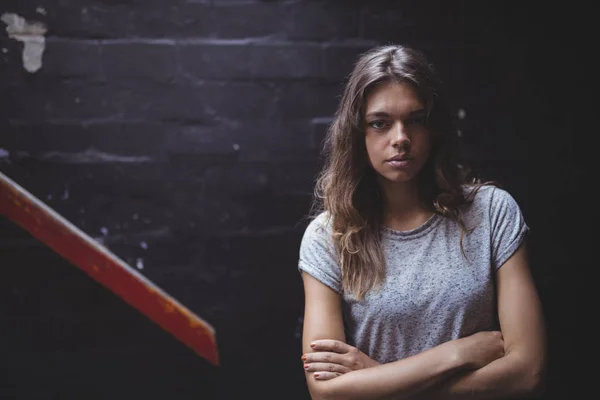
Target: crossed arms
487	365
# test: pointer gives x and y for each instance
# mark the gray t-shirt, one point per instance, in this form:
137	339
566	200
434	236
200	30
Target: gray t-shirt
431	293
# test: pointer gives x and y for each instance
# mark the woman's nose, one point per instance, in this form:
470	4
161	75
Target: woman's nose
399	136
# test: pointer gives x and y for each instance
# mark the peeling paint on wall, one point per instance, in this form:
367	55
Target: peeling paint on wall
31	33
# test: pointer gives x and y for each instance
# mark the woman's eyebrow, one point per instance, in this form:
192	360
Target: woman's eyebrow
415	113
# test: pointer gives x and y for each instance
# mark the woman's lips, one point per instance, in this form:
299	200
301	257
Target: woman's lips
399	160
400	163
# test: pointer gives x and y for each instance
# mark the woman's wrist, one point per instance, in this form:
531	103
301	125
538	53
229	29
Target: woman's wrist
457	357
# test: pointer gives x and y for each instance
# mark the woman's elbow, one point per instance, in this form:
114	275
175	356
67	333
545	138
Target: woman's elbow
533	378
324	390
536	382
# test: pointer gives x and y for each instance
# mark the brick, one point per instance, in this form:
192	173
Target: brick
147	19
201	141
112	200
308	100
293	20
179	20
251	60
319	132
201	103
26	9
236	101
409	23
11	62
207	102
384	23
72	59
118	198
254	140
178	250
90	20
119	138
145	61
269	210
339	59
43	100
254	249
193	285
324	21
238	179
233	21
295	174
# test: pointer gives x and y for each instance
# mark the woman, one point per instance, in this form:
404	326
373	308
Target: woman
416	282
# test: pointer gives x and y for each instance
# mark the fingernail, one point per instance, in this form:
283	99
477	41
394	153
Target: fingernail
306	366
313	345
316	375
303	357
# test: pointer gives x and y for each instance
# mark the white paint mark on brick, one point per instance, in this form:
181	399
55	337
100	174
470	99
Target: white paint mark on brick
4	155
66	193
135	216
104	231
41	10
144	245
4	50
139	263
31	33
236	147
49	197
462	113
459	132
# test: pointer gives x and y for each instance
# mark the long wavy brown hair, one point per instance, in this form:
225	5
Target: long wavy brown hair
347	187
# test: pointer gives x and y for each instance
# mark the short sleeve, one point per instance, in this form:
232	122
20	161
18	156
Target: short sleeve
508	226
317	254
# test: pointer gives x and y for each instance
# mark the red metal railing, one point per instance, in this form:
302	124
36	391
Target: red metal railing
81	250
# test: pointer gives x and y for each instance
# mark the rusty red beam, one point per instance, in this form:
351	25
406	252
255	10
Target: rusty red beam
101	264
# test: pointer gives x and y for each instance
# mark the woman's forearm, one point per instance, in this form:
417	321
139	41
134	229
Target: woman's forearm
506	378
397	380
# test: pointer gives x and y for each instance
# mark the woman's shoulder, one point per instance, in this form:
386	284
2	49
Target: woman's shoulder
319	225
487	197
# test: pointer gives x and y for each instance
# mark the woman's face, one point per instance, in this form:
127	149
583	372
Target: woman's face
397	139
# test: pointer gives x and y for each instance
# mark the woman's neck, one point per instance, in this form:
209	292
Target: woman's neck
403	208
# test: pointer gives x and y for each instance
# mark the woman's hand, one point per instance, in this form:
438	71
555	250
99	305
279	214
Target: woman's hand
481	348
332	358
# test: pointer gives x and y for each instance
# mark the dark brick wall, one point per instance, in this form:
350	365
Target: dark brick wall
184	136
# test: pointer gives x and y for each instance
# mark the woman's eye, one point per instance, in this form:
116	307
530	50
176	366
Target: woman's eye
377	124
417	121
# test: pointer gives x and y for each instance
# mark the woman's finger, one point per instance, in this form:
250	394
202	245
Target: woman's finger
324	375
326	367
330	345
325	357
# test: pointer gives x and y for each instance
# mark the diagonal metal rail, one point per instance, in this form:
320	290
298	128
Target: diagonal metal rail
101	264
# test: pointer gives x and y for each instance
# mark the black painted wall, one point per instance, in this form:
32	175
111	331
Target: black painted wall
184	136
